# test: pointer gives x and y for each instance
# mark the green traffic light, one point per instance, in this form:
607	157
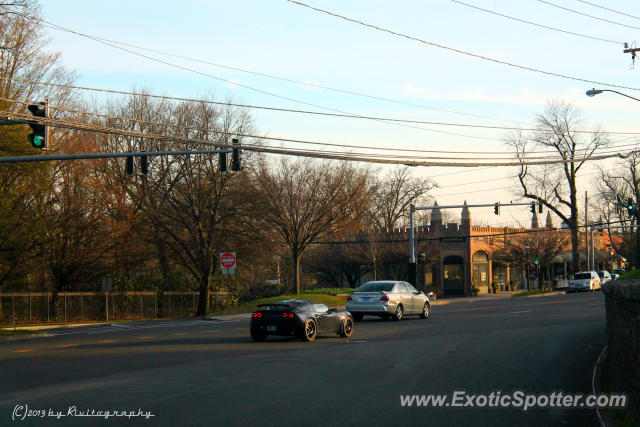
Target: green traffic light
36	140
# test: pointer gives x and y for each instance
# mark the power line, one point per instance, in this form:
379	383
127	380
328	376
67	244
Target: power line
181	127
475	55
610	10
536	24
293	152
587	15
320	113
271	76
264	92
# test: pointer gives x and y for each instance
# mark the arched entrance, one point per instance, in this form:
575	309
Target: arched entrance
453	275
480	262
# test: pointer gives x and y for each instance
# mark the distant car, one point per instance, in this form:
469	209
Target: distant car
300	318
584	281
604	277
388	299
615	276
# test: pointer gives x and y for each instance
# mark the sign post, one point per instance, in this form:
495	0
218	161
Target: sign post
228	262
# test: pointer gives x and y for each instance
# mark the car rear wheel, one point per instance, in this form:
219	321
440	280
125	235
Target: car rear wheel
426	310
399	313
357	317
258	336
347	327
310	330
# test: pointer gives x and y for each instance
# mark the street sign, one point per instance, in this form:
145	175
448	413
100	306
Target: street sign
228	262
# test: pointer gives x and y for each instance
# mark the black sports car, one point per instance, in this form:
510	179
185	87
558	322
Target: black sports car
301	318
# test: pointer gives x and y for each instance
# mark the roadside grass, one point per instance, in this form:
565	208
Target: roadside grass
249	306
532	292
10	332
633	274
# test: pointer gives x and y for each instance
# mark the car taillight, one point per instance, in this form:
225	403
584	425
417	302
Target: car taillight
290	314
384	298
349	298
257	314
284	314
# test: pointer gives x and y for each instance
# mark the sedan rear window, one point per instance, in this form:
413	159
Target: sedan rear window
376	287
581	276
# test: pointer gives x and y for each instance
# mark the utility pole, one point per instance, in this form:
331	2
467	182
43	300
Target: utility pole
586	224
632	51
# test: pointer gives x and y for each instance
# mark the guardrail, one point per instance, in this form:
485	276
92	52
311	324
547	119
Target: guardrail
73	306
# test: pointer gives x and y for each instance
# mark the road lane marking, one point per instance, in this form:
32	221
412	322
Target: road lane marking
523	311
23	350
180	334
66	345
145	338
108	341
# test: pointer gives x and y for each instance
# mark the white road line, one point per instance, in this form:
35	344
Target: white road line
523	311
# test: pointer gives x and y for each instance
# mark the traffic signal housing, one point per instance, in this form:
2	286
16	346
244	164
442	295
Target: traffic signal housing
235	156
130	168
222	158
496	208
533	207
144	164
38	135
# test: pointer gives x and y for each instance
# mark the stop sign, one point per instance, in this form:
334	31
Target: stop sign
228	259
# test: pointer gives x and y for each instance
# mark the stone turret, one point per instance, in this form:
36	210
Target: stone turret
466	216
534	220
436	218
549	223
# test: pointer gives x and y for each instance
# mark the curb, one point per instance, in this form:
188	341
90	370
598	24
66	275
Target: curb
597	378
24	337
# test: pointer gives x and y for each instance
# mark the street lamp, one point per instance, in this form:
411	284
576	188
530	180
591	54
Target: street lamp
593	92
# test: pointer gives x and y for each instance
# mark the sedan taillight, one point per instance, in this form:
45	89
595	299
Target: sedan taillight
257	314
384	298
349	298
287	314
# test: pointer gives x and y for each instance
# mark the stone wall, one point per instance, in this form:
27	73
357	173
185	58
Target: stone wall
622	370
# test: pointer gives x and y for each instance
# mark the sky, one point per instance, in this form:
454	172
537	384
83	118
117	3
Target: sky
282	39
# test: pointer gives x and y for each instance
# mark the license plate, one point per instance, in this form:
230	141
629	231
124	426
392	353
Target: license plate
272	328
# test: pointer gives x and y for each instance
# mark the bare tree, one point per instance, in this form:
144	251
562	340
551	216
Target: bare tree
555	186
615	188
542	245
305	201
394	193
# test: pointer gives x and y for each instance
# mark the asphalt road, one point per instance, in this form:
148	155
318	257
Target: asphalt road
199	372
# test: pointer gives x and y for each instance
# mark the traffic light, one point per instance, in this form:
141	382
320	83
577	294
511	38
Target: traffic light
129	165
496	208
539	207
533	207
235	156
629	205
222	157
144	164
38	136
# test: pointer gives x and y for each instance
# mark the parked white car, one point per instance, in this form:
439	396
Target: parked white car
604	277
584	281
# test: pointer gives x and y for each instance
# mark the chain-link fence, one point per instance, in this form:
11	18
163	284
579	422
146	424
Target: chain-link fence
41	307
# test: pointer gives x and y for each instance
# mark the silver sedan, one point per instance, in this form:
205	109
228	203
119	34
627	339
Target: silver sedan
389	299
